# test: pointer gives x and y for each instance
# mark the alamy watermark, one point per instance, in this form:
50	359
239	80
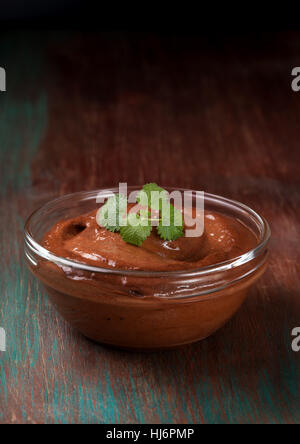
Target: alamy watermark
2	79
2	340
296	341
296	81
189	203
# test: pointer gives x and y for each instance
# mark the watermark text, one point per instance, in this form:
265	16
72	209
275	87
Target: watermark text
296	81
2	340
296	341
187	205
2	79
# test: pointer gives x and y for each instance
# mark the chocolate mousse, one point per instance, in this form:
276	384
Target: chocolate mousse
83	240
157	295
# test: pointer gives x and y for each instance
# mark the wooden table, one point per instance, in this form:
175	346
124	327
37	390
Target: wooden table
218	114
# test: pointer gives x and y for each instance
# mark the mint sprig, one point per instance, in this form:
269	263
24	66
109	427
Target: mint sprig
171	229
110	214
135	231
138	226
150	190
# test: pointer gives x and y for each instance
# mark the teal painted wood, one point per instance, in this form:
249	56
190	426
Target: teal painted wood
65	127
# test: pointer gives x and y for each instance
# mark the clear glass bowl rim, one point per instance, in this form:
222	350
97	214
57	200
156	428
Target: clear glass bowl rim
224	266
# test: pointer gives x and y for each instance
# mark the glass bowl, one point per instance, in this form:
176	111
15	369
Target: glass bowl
144	310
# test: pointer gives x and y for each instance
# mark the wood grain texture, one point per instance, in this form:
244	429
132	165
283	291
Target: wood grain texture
88	111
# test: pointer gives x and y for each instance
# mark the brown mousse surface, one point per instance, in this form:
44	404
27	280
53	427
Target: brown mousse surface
83	240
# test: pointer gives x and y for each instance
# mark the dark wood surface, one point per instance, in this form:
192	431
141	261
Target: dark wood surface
212	113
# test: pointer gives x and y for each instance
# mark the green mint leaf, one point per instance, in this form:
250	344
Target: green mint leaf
170	233
110	213
139	225
136	230
144	197
171	228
